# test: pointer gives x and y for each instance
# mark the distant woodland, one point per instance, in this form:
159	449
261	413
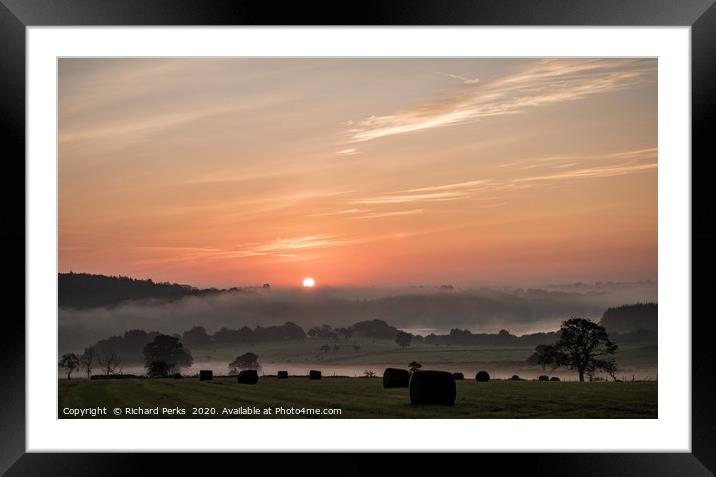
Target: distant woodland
635	323
632	318
129	345
84	290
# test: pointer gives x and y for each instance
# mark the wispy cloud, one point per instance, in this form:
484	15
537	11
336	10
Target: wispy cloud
407	198
542	83
139	128
378	215
296	248
340	212
463	79
558	168
608	171
281	245
351	151
434	193
543	170
560	161
457	185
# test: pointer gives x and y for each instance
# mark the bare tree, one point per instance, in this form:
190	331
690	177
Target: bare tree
87	360
610	367
108	362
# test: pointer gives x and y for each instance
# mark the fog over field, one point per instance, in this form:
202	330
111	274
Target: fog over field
419	310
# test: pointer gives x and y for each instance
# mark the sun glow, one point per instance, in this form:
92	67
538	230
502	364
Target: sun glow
309	282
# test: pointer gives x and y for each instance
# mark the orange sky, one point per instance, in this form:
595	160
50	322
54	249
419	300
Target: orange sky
365	172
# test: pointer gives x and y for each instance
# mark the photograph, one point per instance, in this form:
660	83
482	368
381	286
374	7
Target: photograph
357	238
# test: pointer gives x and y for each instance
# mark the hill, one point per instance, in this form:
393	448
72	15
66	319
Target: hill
84	290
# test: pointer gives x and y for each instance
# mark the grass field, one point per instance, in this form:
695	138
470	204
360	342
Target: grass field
298	357
361	398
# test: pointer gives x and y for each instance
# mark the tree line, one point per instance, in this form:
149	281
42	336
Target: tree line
582	345
85	290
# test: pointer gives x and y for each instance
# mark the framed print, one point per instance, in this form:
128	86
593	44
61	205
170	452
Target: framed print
404	229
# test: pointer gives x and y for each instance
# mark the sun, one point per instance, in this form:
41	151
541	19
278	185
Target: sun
309	282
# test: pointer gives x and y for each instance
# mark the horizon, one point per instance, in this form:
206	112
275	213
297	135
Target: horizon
431	286
359	172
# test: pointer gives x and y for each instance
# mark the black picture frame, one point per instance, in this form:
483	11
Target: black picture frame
17	15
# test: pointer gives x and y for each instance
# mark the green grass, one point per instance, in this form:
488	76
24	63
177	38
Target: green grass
366	398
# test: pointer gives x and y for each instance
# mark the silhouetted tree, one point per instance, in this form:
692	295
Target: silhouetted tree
108	361
129	346
196	336
168	349
245	361
345	333
323	331
403	338
158	369
70	362
610	367
87	360
582	345
373	329
325	348
369	373
414	366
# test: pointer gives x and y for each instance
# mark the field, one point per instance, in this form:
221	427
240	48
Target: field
360	398
352	358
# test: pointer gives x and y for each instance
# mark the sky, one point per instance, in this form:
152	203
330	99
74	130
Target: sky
358	171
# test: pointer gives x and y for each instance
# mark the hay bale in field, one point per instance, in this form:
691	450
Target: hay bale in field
515	378
396	378
313	374
206	375
458	376
482	377
432	387
282	375
248	376
543	378
554	378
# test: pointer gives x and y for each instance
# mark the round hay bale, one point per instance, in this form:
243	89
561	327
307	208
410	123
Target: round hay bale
515	378
554	378
396	378
206	375
458	376
432	387
482	377
313	374
282	375
248	376
543	378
